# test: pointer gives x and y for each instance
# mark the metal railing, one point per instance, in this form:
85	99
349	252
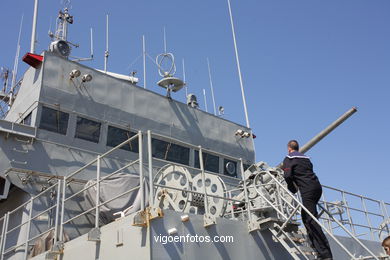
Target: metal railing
71	187
365	217
299	205
66	197
34	216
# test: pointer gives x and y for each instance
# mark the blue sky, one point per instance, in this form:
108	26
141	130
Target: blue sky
304	63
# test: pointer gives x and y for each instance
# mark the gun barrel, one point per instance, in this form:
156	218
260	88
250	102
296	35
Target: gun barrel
326	131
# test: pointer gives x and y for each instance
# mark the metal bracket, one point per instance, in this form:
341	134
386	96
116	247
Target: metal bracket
253	226
209	220
94	234
58	249
140	219
155	213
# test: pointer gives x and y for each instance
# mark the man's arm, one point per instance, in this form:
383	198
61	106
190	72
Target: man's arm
288	175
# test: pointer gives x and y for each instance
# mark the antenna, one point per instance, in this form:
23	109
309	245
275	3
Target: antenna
205	100
91	47
184	77
106	53
144	58
16	63
91	43
165	41
211	86
4	75
34	27
238	65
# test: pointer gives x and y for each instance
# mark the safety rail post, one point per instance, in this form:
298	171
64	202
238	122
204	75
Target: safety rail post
367	217
322	226
97	209
385	216
63	209
150	162
28	228
248	208
231	206
59	182
201	164
348	213
4	236
279	202
141	172
326	219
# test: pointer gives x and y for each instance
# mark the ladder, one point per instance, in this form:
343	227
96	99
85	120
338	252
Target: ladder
295	243
292	208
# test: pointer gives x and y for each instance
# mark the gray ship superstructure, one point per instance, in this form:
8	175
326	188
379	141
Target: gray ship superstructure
94	166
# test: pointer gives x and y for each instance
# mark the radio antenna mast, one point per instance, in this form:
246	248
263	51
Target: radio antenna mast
106	53
91	43
34	28
184	77
144	58
238	65
205	99
212	88
165	41
16	63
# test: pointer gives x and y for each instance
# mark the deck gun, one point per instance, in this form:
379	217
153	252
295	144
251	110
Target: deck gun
260	185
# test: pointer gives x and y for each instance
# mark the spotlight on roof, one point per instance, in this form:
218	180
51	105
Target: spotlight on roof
86	78
74	74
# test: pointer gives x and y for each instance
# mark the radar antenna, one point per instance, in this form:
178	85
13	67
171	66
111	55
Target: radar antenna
167	69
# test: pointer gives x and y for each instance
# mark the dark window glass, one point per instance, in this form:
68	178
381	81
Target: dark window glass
211	162
27	119
230	168
2	186
87	129
116	136
170	152
54	120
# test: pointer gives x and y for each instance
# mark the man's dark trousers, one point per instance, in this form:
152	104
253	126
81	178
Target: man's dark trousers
314	231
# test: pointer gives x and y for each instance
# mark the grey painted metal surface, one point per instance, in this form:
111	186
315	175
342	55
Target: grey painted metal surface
121	240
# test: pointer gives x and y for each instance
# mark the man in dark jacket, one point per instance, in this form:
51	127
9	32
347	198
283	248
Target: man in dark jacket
299	175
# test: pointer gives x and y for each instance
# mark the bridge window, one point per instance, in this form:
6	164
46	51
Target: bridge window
53	120
116	136
211	162
87	129
170	152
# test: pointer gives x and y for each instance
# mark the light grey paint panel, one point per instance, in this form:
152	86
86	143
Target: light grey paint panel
28	94
119	102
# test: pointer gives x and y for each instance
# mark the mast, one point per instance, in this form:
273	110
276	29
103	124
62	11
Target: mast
106	53
212	88
184	77
238	65
34	28
16	63
205	99
144	58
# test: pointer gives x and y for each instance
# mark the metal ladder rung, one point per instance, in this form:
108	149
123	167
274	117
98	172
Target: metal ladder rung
294	250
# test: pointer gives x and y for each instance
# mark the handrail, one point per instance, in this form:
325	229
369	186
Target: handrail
62	197
320	224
